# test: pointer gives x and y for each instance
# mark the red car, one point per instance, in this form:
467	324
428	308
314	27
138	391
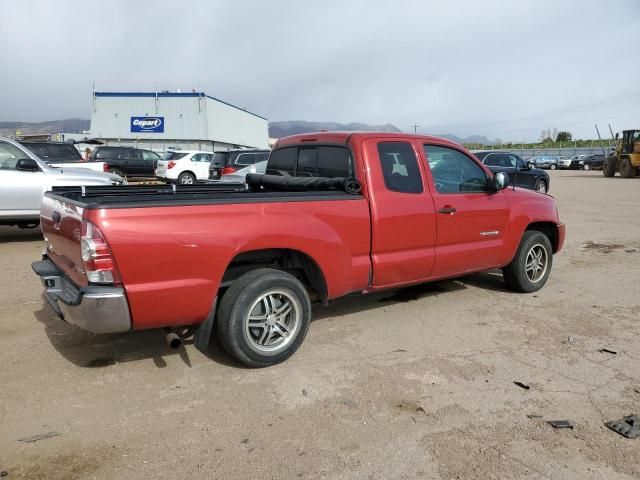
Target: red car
378	211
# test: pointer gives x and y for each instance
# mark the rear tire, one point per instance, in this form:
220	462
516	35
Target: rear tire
186	178
609	167
530	268
264	317
116	171
626	169
553	166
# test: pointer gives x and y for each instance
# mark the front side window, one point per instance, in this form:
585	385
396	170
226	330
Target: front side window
400	167
495	160
453	171
9	156
148	155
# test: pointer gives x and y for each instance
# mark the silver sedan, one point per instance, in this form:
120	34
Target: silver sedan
24	178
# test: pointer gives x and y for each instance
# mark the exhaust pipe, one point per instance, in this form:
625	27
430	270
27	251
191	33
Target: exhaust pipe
173	339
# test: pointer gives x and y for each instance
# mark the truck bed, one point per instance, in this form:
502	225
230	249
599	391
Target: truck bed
174	195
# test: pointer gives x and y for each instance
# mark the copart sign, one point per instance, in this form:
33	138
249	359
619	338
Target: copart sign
147	124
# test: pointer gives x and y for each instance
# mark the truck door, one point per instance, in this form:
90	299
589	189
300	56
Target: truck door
472	220
403	219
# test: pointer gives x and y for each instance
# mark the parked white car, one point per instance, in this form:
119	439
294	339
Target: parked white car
24	178
185	167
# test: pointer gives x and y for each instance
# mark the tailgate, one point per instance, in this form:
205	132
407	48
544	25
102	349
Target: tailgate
61	224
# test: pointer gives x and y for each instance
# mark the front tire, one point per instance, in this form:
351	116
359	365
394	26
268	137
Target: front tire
553	166
186	178
609	167
541	186
626	169
587	166
530	268
264	317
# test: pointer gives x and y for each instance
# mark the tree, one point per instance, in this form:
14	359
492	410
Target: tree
563	137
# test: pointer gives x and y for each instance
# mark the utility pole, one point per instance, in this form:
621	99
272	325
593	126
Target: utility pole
415	128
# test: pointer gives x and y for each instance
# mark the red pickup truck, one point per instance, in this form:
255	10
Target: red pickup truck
247	264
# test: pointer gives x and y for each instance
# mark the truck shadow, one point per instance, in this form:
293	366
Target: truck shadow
88	350
490	280
15	234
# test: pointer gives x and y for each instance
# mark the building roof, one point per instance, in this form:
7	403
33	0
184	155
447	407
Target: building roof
172	94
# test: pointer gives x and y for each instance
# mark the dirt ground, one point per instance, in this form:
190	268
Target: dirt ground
417	383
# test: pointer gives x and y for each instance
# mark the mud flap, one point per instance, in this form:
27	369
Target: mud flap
202	336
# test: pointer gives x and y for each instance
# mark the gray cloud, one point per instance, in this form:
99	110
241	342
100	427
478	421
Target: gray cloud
501	69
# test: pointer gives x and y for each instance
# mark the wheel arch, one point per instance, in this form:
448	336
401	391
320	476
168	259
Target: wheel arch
296	262
548	229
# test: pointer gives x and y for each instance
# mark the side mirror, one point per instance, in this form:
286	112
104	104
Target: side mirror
500	181
27	165
530	164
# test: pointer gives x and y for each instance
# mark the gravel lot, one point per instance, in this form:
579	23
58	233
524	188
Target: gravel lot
416	383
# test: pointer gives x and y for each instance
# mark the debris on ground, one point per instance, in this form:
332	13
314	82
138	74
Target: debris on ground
560	423
348	403
522	385
4	473
304	392
534	416
628	427
570	340
41	436
606	350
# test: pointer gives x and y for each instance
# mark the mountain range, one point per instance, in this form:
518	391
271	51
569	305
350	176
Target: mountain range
276	129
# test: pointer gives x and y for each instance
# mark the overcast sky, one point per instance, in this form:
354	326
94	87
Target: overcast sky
492	67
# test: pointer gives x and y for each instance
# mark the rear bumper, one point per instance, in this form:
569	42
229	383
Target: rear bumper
96	308
562	231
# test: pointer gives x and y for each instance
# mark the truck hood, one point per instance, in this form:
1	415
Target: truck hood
80	176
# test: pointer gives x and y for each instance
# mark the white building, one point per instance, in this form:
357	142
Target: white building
165	120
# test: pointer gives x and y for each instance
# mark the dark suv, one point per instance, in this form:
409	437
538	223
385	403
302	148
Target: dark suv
228	161
54	152
127	161
525	173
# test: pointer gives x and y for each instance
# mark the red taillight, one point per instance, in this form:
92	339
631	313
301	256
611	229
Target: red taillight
105	167
99	265
171	164
228	170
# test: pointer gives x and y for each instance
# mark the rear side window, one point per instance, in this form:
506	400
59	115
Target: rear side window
400	167
175	155
283	161
312	161
245	159
63	151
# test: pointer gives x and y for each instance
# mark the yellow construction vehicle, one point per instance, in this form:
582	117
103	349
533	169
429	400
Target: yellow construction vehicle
626	158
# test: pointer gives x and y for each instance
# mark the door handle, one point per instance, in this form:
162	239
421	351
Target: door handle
447	210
